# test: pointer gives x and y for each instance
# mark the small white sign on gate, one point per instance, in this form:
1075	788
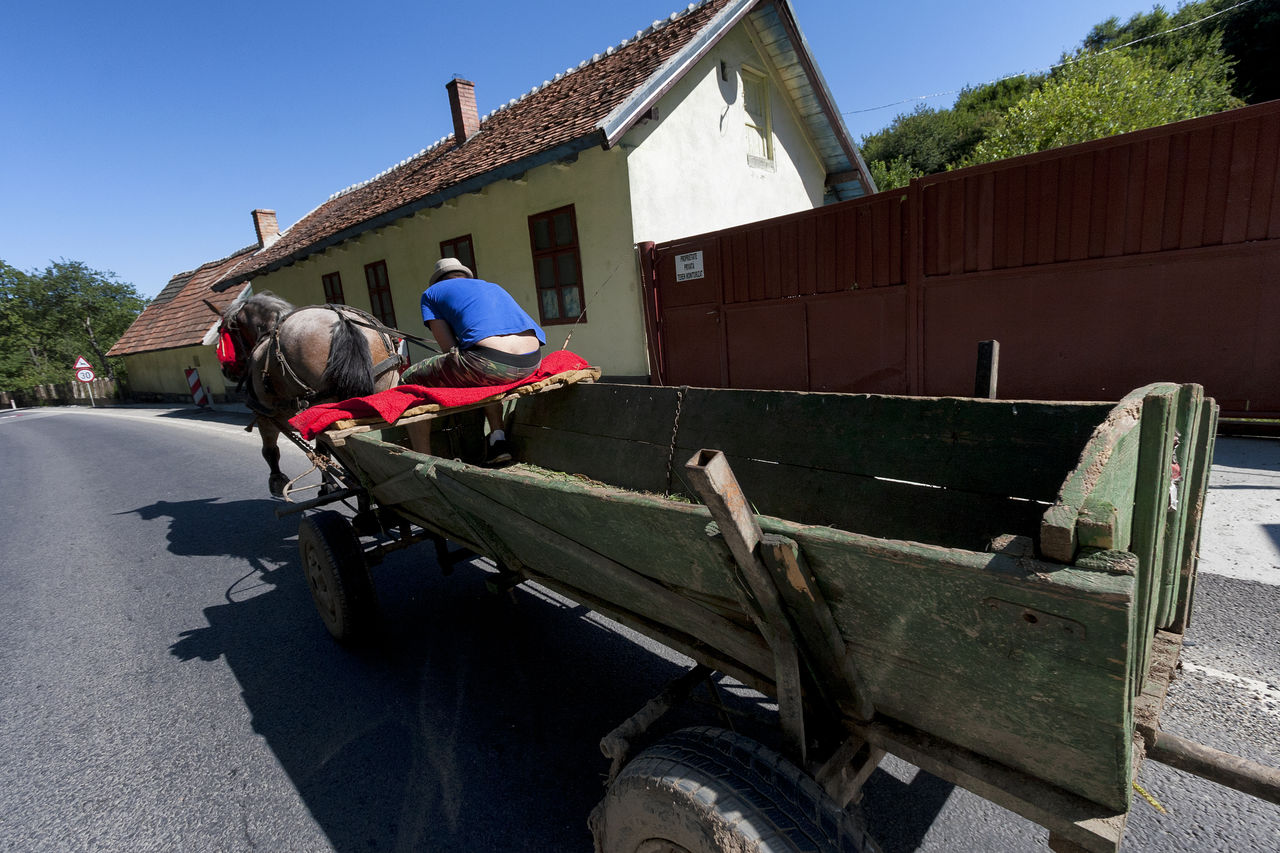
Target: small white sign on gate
689	266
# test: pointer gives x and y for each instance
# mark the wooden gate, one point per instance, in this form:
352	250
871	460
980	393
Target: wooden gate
1151	256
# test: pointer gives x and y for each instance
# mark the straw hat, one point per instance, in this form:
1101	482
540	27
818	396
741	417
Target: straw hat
444	266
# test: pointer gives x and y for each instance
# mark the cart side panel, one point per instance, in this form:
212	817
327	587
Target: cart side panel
1190	402
1094	502
1197	494
664	540
884	508
1123	495
1026	666
1019	449
1025	663
1106	517
808	471
1151	507
394	479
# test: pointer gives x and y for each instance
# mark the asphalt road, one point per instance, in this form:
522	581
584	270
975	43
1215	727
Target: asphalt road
165	683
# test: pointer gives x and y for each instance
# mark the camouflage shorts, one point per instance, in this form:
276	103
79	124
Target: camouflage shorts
473	367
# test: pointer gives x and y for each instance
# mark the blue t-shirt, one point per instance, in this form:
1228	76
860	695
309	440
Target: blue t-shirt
476	309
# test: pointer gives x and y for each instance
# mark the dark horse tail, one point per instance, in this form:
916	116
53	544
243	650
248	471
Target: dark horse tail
349	372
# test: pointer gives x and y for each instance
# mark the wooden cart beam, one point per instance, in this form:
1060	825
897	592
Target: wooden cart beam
1070	819
712	478
1250	777
616	745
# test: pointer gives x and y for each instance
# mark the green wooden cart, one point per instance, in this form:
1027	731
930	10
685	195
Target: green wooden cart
993	590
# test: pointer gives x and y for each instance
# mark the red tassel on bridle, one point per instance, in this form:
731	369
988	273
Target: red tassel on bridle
234	364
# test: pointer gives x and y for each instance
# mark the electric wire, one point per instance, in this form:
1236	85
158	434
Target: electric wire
1082	58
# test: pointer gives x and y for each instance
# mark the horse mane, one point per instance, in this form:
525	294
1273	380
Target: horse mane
264	311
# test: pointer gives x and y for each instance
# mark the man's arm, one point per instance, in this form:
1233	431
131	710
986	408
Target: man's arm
443	334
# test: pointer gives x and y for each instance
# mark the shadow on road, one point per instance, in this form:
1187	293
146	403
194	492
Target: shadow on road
217	528
1259	454
470	723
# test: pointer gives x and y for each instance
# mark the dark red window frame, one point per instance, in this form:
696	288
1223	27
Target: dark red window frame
332	283
375	274
463	249
557	266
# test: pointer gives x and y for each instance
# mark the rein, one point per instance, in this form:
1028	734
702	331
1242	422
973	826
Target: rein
387	333
377	326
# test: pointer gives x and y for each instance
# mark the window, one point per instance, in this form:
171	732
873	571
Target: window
755	100
556	265
333	289
380	293
460	248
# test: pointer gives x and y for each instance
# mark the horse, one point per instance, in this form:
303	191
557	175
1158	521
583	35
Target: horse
293	357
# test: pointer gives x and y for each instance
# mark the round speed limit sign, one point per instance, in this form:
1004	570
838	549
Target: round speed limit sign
84	374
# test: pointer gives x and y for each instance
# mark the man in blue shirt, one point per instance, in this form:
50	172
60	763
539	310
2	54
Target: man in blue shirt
485	338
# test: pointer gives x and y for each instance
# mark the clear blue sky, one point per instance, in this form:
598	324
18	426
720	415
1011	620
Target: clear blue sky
138	136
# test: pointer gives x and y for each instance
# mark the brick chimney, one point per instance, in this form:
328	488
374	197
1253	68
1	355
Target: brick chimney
462	103
264	222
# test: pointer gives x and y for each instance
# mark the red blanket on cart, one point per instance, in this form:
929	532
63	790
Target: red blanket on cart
389	405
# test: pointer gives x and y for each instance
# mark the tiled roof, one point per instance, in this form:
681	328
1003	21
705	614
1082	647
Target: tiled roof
562	116
183	311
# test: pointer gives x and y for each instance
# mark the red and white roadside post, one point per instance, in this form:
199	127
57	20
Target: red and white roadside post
198	394
84	372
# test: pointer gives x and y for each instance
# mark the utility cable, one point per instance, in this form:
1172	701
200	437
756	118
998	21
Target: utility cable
1082	58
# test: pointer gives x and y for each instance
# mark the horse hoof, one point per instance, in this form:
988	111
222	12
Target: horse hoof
277	485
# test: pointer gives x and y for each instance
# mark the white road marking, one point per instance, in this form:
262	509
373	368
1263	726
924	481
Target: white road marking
165	421
1260	691
1240	536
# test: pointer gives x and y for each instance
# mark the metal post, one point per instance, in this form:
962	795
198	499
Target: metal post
984	383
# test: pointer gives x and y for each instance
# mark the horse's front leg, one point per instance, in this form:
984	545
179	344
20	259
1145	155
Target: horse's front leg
271	452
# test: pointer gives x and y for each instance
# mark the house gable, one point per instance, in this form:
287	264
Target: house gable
589	106
182	311
695	169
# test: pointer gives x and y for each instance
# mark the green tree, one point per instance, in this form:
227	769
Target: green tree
1249	39
926	140
1100	95
1214	54
49	318
890	176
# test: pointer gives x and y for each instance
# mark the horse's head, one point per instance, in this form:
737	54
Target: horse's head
257	316
244	323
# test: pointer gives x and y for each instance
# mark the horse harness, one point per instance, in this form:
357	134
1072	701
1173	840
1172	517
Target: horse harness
236	367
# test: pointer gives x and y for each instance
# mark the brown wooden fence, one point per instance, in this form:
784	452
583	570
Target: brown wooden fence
1100	267
99	392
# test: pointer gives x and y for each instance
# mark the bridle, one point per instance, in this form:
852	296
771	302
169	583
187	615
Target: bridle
235	362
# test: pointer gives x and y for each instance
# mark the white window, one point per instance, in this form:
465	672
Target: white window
759	129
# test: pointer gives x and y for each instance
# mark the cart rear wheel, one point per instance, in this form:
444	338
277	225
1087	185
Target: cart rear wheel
337	575
706	790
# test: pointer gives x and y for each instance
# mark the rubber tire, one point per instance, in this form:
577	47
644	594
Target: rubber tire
337	575
707	790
